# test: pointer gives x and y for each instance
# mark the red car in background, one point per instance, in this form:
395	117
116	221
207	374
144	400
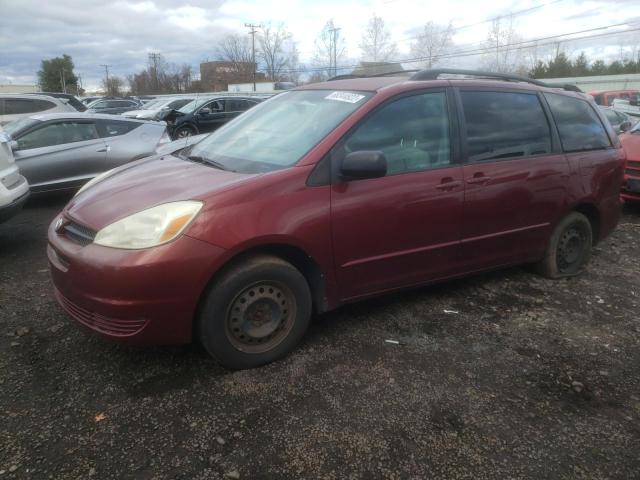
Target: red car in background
631	185
606	97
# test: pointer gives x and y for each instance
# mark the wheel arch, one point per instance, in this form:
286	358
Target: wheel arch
592	213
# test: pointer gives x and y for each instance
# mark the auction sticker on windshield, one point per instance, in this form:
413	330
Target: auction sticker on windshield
345	97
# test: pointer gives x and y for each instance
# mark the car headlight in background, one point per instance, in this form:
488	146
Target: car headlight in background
94	180
151	227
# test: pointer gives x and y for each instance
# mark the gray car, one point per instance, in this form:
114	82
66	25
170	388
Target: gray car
63	151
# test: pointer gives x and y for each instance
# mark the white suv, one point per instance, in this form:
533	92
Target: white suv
14	106
14	188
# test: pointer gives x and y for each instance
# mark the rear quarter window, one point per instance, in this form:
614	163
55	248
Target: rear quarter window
579	126
114	128
17	106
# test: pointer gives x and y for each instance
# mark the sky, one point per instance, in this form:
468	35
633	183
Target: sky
121	33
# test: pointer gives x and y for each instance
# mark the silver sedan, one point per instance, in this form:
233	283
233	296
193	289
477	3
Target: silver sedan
63	151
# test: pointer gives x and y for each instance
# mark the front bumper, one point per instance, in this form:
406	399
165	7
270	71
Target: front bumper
631	189
141	297
8	211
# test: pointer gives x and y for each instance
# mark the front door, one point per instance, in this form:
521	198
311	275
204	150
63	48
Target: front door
60	155
403	228
213	117
515	178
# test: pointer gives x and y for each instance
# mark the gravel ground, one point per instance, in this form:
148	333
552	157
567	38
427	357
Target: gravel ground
530	378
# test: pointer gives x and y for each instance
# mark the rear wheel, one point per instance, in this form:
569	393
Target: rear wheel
255	313
569	247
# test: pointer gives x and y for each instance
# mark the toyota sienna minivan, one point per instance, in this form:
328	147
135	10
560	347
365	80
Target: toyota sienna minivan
332	193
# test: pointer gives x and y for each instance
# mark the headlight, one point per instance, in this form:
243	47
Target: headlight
94	180
151	227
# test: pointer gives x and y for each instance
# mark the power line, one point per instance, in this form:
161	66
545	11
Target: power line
521	45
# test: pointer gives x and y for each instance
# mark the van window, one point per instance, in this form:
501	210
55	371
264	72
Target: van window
504	125
412	132
579	126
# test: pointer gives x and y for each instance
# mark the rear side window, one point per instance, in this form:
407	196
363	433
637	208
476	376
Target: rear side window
504	125
579	126
412	132
58	134
113	128
16	106
176	104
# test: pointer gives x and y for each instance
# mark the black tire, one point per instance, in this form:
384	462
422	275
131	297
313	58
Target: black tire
184	132
255	313
569	248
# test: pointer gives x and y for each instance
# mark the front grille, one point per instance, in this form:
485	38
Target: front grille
100	323
78	233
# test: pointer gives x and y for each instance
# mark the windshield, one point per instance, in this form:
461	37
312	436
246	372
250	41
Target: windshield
12	128
278	132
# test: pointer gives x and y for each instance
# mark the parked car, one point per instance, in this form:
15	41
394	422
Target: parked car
113	106
156	109
71	100
14	106
87	100
331	193
204	115
631	185
64	151
14	188
621	122
606	97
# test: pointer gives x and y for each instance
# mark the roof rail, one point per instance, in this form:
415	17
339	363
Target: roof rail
565	86
385	74
433	74
346	76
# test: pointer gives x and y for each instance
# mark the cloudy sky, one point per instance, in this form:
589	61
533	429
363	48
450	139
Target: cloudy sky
122	32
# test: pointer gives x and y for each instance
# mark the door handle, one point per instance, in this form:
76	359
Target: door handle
104	149
448	183
478	178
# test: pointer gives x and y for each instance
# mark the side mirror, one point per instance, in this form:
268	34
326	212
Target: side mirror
625	126
13	145
363	164
204	111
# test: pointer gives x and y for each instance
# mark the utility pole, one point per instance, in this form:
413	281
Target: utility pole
63	82
154	59
253	32
335	31
106	72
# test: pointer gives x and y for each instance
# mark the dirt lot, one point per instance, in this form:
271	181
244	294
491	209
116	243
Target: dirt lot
530	379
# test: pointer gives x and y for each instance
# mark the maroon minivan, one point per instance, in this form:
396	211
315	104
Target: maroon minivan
331	193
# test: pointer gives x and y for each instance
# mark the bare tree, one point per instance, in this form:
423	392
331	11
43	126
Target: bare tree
236	49
277	50
329	51
376	43
113	86
433	41
500	39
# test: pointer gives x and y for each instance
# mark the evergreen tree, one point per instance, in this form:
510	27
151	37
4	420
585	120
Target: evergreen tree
56	75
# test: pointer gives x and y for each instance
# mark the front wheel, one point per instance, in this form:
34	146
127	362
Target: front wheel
569	247
255	313
184	132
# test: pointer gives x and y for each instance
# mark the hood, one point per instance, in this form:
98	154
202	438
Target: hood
145	184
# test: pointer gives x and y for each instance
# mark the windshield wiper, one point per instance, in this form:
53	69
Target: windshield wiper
208	161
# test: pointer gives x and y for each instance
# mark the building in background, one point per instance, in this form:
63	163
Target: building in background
216	76
18	88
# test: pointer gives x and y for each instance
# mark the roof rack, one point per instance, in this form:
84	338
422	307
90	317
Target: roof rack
385	74
509	77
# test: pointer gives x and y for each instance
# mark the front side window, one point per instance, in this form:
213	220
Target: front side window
504	125
579	126
58	134
412	132
277	133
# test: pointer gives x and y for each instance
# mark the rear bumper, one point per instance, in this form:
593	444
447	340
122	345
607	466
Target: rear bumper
137	297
